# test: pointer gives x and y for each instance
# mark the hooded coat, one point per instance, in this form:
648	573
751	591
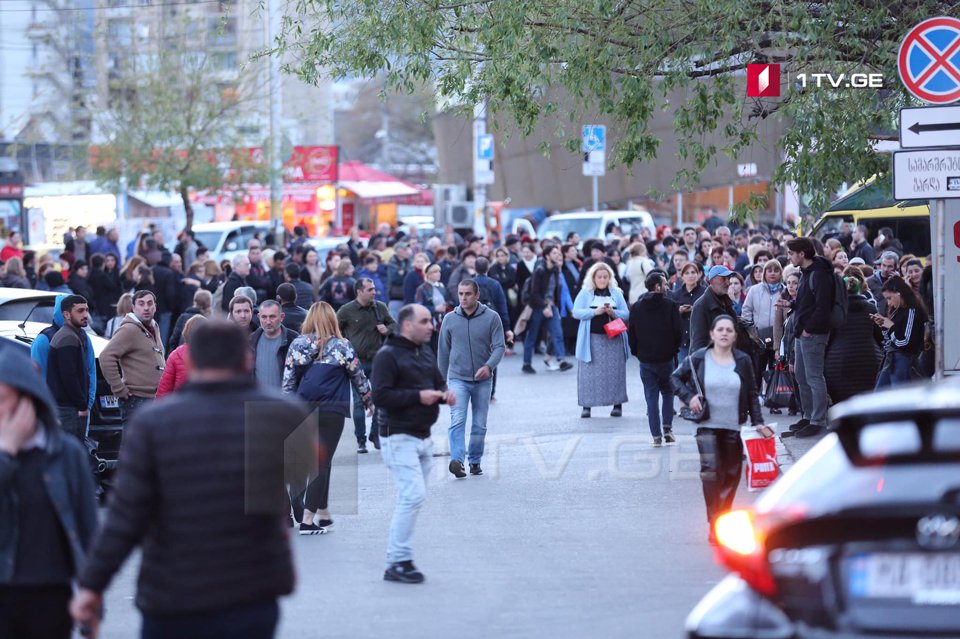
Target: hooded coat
67	479
853	353
40	350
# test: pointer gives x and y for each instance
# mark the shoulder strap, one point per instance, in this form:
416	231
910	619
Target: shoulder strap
696	380
376	312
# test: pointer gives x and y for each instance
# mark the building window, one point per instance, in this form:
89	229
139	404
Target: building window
223	31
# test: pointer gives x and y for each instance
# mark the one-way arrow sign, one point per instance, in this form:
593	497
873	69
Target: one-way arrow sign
928	127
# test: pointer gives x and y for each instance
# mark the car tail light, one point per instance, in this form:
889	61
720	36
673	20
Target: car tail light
741	549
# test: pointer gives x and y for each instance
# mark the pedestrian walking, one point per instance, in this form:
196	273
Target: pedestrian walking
545	300
293	314
124	306
407	389
365	322
655	333
397	269
339	288
320	367
719	378
759	309
714	302
241	312
812	330
689	290
68	374
133	361
48	506
215	548
177	369
902	332
471	346
271	343
202	305
601	358
239	269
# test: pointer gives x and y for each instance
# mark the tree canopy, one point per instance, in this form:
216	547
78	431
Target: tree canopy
623	58
173	122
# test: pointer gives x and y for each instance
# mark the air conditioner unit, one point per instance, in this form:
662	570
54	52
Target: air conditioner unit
459	215
443	193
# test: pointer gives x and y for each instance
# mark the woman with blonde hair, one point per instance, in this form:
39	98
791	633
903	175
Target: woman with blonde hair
212	276
178	364
602	360
16	277
124	306
320	367
128	274
638	267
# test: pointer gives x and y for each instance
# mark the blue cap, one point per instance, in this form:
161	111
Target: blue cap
718	271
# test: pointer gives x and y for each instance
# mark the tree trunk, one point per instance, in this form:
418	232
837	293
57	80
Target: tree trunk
187	207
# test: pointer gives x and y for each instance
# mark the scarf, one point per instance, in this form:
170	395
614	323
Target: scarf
774	289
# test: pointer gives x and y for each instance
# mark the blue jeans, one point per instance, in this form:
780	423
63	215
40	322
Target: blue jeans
257	621
896	372
163	320
656	384
409	459
360	412
476	394
533	334
682	355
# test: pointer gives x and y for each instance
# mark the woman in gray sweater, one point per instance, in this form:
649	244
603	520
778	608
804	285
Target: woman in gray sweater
725	377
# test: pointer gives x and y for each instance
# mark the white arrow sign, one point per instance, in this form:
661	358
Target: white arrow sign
927	127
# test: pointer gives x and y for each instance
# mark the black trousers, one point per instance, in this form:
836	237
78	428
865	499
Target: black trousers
721	465
258	621
35	612
318	490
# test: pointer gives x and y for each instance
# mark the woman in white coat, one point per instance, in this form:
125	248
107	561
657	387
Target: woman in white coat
639	266
602	360
760	309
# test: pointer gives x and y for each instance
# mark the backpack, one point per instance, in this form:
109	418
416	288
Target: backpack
485	298
838	312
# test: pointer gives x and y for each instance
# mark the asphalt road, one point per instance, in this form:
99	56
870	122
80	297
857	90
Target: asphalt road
578	528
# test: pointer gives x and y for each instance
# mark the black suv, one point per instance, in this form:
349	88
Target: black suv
861	538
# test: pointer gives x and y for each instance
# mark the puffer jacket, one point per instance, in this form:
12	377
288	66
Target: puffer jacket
853	354
685	389
321	373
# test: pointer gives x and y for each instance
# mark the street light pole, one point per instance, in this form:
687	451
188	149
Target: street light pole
276	135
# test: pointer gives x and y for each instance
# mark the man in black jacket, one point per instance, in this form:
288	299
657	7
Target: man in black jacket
655	334
67	373
216	553
240	268
304	292
811	312
168	296
713	303
407	388
293	315
545	303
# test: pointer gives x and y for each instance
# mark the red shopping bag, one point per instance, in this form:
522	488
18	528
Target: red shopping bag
762	466
614	328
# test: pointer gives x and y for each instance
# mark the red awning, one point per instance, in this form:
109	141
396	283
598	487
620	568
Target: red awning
376	187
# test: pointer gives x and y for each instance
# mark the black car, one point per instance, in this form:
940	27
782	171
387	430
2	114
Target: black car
106	424
861	538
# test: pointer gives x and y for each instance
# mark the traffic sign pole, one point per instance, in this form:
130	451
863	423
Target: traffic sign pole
596	194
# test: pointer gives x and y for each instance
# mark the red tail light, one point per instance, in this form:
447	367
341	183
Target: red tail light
741	549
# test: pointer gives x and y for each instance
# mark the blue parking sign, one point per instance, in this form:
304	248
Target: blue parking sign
485	147
594	138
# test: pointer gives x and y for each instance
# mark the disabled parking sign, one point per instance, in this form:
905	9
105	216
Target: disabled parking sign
929	60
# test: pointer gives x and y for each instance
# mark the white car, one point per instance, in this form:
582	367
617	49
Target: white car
224	240
595	224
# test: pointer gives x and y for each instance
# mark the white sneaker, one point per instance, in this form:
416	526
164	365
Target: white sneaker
551	365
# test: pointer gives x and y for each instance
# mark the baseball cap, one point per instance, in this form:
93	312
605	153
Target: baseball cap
718	271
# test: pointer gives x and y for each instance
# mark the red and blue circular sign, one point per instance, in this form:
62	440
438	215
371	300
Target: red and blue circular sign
929	60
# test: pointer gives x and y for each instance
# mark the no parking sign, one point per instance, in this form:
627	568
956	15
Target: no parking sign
929	60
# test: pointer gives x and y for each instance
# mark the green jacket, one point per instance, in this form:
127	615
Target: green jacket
359	325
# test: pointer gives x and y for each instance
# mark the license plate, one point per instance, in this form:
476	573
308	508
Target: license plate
109	401
923	578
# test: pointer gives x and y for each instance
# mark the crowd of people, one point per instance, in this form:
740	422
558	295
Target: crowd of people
386	329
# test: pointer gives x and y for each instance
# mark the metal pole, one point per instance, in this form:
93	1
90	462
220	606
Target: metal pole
276	135
596	194
679	209
479	190
940	277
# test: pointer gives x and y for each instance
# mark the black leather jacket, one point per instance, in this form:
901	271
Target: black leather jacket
685	389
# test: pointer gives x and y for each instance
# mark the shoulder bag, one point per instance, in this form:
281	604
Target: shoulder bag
688	413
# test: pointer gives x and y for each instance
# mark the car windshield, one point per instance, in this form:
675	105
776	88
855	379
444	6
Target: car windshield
209	239
19	310
585	227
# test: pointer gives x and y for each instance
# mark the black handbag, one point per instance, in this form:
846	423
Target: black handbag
688	413
780	388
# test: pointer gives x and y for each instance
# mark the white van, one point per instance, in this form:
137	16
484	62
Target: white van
595	224
226	239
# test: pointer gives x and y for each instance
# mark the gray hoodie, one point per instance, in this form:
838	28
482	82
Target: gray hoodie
469	342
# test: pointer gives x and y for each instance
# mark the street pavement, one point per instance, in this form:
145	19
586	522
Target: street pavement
578	527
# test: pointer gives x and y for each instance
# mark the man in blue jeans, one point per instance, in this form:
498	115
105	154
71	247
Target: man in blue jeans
407	389
654	332
470	347
545	303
